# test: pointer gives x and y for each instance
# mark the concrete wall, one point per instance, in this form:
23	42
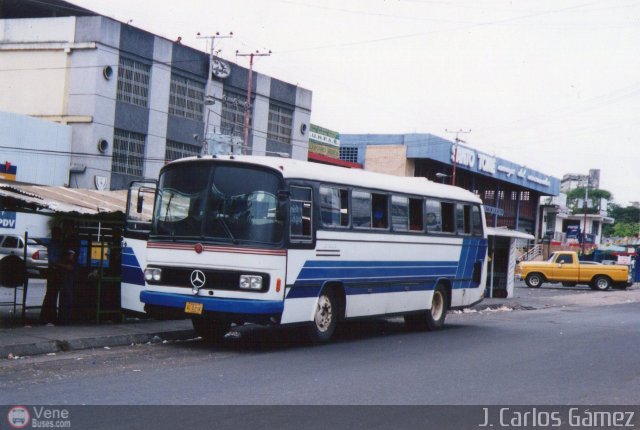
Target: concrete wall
42	148
389	159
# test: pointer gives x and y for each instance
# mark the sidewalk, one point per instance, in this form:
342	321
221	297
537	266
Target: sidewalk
17	340
32	338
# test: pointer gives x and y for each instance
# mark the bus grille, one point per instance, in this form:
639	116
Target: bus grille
215	279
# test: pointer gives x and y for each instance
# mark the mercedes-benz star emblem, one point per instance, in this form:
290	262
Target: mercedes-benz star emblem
198	279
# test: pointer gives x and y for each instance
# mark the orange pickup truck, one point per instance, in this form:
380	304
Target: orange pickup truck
564	267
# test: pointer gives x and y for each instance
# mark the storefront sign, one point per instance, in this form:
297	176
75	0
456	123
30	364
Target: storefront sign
324	141
492	210
463	157
487	164
7	219
8	171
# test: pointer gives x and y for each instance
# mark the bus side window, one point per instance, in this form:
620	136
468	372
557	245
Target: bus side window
448	217
334	206
300	214
400	213
361	210
380	210
434	217
476	221
463	218
416	218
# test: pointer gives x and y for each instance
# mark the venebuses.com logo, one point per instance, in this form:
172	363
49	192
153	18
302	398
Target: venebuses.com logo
18	417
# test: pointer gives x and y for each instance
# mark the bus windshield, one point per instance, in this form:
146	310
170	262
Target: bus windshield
218	202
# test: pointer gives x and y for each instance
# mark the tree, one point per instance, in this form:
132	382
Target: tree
575	196
627	221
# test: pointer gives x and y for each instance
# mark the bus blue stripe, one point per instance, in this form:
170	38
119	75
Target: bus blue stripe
372	277
213	304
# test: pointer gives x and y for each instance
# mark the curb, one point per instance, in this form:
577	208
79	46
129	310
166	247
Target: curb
53	346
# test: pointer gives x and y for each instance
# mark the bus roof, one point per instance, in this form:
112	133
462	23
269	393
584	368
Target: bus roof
296	169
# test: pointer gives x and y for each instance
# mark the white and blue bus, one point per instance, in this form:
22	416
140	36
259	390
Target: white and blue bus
245	239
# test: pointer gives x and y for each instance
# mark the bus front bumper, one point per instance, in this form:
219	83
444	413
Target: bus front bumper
213	304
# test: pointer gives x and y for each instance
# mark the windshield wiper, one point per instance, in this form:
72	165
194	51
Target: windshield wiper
226	228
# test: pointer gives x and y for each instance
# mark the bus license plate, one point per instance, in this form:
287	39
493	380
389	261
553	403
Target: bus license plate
193	308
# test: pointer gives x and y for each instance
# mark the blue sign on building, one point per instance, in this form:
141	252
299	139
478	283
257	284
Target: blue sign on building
7	219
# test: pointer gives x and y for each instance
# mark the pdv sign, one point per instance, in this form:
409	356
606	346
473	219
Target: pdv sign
7	219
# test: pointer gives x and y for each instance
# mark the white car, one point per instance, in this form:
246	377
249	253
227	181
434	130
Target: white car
37	256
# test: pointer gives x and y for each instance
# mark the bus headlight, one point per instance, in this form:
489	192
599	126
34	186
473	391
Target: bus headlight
250	282
152	274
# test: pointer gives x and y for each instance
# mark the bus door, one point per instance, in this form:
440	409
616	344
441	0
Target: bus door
140	201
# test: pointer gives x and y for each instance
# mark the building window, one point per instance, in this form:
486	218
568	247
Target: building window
128	152
133	82
349	153
524	196
489	195
186	98
177	150
232	121
280	124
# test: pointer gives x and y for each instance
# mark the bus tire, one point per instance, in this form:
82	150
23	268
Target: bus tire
432	319
438	311
601	283
211	331
325	318
534	280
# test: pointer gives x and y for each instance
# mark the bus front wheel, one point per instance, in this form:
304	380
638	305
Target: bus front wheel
325	318
209	330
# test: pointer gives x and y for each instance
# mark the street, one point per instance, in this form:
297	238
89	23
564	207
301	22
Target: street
583	350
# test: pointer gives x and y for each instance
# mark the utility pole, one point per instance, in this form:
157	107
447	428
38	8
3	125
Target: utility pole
247	110
212	39
217	68
455	150
585	206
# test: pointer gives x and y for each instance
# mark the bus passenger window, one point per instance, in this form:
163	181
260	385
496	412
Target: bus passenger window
434	217
300	210
361	211
400	213
334	206
416	222
476	221
448	224
380	212
463	218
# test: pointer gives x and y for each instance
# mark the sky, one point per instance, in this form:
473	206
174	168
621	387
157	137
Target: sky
550	84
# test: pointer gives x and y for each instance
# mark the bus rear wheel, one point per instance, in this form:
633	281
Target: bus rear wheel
211	331
325	318
432	319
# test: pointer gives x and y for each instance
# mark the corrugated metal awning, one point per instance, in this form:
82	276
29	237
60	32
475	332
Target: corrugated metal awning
61	199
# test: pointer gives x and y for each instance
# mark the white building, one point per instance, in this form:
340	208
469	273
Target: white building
32	151
135	100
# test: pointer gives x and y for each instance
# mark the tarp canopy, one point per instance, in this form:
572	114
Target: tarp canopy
21	197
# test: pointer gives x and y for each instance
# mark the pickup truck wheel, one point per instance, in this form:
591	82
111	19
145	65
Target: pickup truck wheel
534	280
601	283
